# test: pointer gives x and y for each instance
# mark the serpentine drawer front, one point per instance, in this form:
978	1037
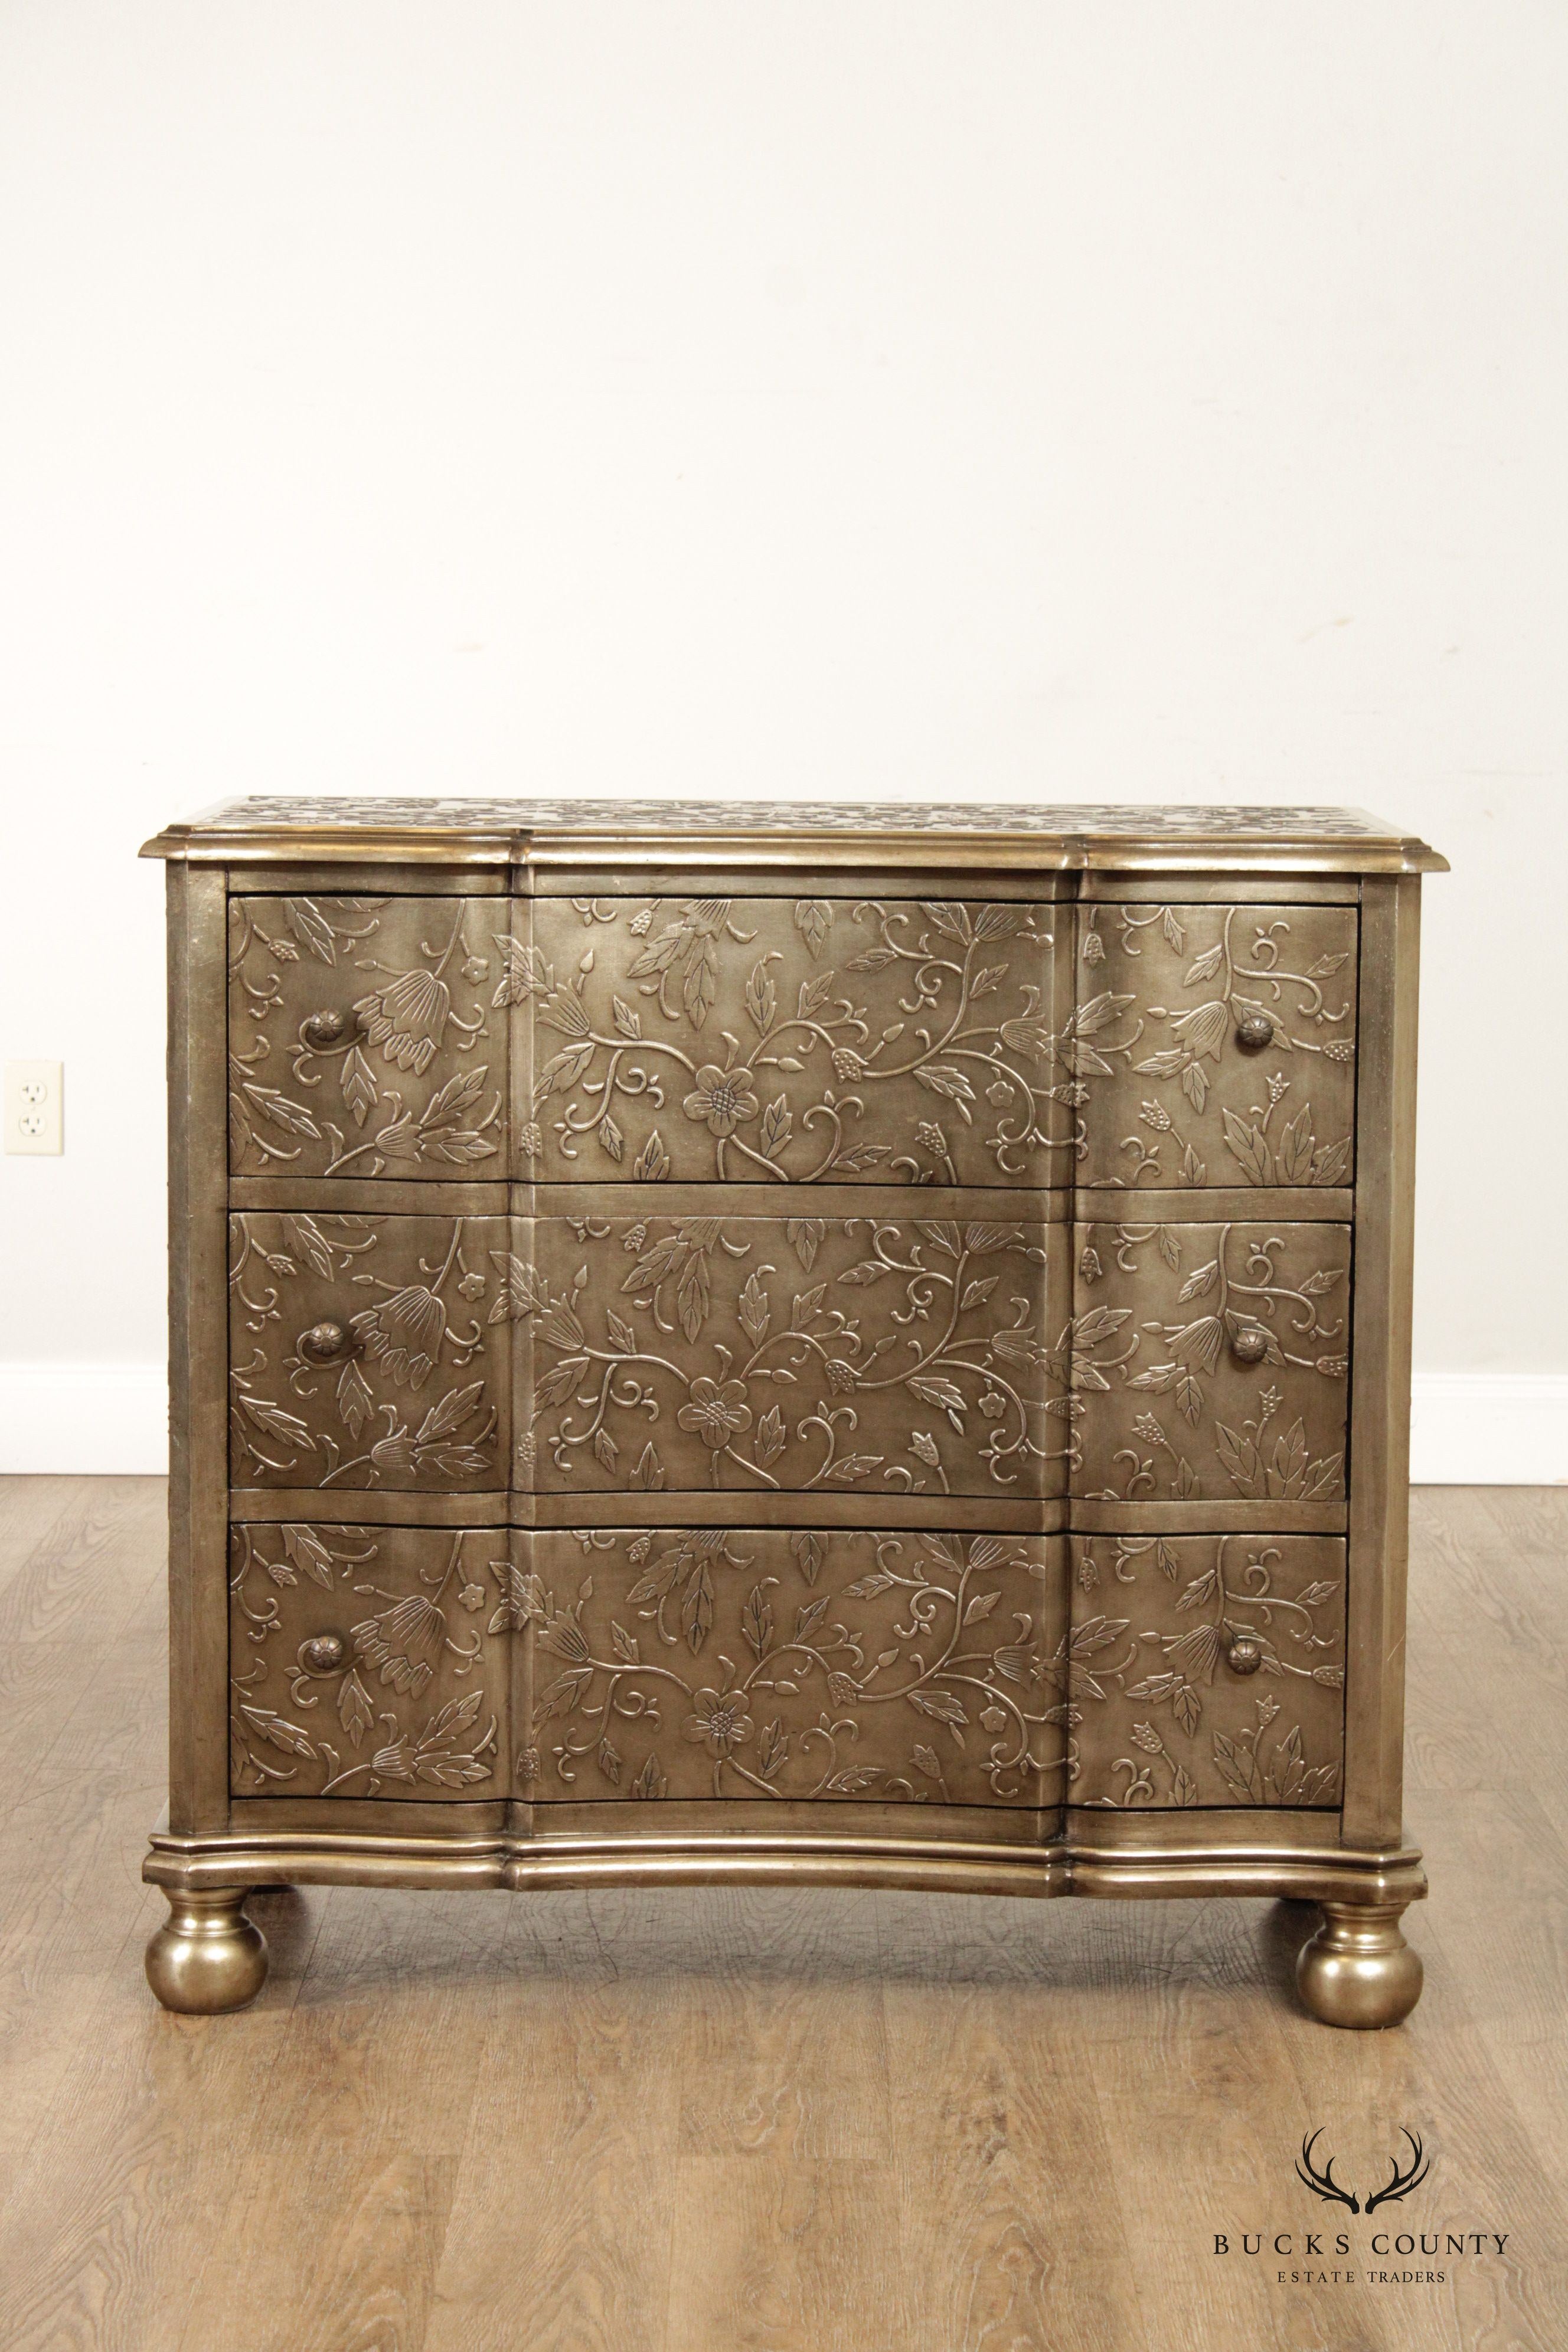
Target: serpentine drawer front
825	1343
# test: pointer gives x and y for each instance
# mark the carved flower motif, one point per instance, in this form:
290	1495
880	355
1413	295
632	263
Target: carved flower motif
929	1137
563	1009
402	1642
530	1138
1155	1115
1202	1031
840	1375
847	1064
717	1412
404	1333
718	1718
924	1446
472	1285
843	1689
472	1596
527	1765
406	1019
722	1098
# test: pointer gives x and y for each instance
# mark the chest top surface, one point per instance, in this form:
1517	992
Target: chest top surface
1023	837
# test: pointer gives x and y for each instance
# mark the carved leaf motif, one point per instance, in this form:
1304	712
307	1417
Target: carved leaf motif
849	1467
950	1083
778	1125
277	1422
292	1117
563	1069
307	1551
755	1314
1331	1163
354	1398
1247	1146
306	922
808	1552
652	1162
307	1240
277	1731
648	1478
1099	1013
522	1290
524	972
950	919
1293	1153
356	1710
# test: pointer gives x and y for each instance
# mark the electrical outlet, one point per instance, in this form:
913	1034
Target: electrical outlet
33	1107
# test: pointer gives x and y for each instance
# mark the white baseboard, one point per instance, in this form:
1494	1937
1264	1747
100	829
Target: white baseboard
1467	1429
1489	1429
98	1419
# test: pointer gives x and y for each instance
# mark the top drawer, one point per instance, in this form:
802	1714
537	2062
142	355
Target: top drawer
793	1041
367	1036
1216	1044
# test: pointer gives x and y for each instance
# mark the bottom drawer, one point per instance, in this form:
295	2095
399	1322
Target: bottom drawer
1207	1670
750	1663
370	1662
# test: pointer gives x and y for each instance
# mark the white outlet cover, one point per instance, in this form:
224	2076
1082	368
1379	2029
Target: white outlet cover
35	1107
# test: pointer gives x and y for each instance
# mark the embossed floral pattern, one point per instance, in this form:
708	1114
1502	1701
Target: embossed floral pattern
862	1354
793	1041
611	818
1162	1716
920	1666
1228	1053
360	1352
352	1050
1223	1364
348	1676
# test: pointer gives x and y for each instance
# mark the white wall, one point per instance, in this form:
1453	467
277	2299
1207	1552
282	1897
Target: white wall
910	400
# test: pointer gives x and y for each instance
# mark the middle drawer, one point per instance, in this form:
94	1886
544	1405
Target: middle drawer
1161	1369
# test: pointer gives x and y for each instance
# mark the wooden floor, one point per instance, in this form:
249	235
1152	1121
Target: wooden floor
701	2119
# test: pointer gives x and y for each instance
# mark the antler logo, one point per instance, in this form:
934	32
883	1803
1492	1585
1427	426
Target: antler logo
1322	2184
1399	2184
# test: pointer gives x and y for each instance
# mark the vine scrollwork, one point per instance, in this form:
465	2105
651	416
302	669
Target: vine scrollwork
1172	1715
794	1041
1231	1058
387	1074
351	1673
360	1351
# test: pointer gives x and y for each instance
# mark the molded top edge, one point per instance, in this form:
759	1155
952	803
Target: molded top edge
488	832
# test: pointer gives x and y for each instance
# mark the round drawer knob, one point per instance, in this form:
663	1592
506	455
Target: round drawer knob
1249	1347
322	1028
323	1653
1244	1654
323	1341
1255	1032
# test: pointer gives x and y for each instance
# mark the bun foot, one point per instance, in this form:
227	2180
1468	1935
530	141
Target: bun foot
1358	1969
208	1958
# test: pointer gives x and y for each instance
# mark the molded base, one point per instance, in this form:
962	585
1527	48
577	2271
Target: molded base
1357	1970
208	1958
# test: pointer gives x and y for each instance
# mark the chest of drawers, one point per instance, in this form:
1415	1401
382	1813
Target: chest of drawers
850	1345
